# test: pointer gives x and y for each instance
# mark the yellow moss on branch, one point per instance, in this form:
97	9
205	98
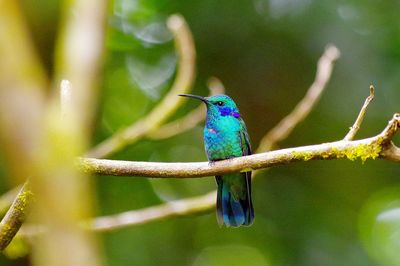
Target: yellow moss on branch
361	151
302	156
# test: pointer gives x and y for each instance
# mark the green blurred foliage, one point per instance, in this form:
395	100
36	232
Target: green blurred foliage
265	52
380	226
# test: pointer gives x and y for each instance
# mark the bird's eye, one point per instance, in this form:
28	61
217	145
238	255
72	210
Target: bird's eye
220	103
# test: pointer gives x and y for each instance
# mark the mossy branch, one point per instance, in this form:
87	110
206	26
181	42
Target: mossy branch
378	146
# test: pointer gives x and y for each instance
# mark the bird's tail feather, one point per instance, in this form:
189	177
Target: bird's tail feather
234	211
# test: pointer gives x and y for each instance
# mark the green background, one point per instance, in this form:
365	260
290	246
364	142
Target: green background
265	52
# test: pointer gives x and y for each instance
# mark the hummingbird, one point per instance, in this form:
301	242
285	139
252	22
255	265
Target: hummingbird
225	137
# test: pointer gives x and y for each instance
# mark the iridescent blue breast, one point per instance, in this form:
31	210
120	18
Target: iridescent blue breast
222	138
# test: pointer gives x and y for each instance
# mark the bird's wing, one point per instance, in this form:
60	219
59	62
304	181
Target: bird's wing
244	139
246	150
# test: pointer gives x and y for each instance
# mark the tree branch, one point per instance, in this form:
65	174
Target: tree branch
15	216
169	104
356	126
170	209
370	148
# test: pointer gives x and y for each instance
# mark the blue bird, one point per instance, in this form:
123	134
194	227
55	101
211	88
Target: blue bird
225	136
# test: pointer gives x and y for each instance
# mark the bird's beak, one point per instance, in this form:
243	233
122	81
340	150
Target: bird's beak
194	96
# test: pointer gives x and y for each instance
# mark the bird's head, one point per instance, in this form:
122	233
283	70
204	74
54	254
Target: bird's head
220	104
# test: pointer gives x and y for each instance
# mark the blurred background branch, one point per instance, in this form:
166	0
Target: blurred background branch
170	103
22	91
194	205
68	121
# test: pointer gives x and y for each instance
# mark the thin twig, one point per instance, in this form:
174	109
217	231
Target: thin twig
303	108
190	120
15	216
169	104
356	126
